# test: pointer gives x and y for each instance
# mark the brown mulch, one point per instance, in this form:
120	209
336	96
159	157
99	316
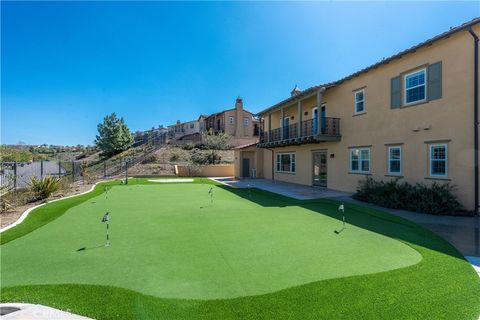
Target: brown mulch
7	218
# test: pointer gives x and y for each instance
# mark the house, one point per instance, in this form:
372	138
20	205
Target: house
189	130
412	116
157	135
239	123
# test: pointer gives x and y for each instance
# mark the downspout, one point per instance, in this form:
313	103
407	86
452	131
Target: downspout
475	117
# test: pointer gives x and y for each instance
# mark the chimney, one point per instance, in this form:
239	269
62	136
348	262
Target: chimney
295	91
239	103
239	131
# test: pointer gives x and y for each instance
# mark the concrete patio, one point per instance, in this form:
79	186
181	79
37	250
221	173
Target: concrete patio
291	190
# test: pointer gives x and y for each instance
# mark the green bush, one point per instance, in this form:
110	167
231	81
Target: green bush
150	159
199	158
42	188
434	199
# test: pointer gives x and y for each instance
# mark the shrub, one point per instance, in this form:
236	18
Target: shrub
434	199
150	159
188	146
42	188
174	157
199	158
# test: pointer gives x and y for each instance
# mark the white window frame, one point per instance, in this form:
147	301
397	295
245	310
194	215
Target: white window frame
430	159
278	164
389	168
358	101
360	160
231	120
246	122
405	76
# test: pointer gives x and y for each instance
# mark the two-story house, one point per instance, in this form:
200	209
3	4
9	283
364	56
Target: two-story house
239	123
412	116
189	130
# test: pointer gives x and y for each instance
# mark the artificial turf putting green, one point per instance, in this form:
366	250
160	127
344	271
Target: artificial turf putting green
170	241
263	255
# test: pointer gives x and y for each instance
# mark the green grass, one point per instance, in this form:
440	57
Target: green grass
249	255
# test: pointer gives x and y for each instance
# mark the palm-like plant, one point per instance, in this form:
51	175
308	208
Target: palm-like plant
43	188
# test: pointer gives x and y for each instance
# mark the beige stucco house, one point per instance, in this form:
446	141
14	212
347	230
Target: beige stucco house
239	123
412	116
187	130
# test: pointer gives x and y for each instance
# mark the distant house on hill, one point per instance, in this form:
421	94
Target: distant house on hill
237	122
189	130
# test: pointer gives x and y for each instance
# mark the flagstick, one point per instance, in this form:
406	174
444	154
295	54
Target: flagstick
107	244
106	219
211	195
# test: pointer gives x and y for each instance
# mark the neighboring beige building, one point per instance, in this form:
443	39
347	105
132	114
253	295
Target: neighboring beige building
241	124
412	116
187	130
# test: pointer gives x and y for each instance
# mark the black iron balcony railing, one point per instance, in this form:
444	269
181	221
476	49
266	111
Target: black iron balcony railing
310	130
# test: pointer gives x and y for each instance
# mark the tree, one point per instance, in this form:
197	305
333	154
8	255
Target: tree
215	142
12	154
113	135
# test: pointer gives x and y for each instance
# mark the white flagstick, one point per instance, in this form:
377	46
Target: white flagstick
106	219
342	208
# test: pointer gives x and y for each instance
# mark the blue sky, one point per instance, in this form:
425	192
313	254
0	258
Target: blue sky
65	65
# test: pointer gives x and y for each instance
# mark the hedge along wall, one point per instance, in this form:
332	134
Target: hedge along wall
226	170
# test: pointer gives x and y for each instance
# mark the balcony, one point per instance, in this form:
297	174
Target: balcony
309	133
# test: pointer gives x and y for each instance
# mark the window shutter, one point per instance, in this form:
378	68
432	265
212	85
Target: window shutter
435	81
395	92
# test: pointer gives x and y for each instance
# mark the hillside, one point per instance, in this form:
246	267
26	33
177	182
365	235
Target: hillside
163	160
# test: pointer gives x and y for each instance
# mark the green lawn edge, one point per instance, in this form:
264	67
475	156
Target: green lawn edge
441	286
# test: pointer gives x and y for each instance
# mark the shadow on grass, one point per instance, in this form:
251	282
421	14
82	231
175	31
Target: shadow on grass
364	217
90	248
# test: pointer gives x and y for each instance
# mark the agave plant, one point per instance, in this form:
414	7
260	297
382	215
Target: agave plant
43	188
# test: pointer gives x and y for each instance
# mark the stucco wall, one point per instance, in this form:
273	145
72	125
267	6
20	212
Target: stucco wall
206	171
256	158
446	119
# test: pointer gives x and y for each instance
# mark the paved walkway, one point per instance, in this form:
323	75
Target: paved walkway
291	190
25	311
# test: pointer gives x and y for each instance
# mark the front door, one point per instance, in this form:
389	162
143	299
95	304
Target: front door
246	168
320	168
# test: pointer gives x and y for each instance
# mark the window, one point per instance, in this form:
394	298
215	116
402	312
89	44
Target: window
360	160
245	122
395	160
231	120
286	162
415	88
192	125
438	160
360	101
